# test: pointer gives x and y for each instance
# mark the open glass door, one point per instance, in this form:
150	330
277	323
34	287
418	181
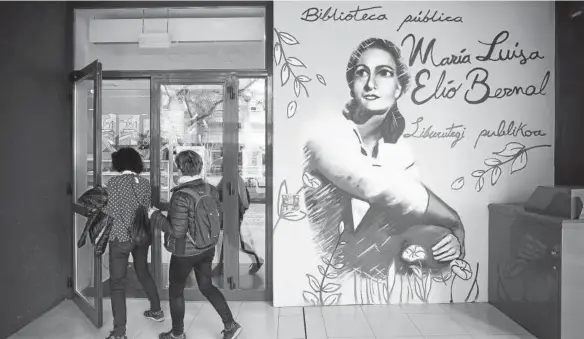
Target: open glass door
87	268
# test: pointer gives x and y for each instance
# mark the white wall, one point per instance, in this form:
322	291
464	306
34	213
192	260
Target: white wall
324	48
184	56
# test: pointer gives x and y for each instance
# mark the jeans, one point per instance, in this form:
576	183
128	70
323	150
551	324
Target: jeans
119	254
180	268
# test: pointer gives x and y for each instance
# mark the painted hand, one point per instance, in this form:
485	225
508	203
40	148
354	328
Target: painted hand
447	249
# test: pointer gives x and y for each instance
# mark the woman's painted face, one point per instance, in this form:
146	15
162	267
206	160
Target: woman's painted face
375	84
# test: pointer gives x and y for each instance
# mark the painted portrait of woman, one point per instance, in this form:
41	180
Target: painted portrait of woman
370	185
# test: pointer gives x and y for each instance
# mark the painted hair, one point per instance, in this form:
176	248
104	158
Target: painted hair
394	124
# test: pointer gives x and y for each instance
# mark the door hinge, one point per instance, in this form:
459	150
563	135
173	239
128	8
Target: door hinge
70	282
75	75
69	189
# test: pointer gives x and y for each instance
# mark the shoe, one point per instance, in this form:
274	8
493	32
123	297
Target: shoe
113	336
254	268
154	315
169	335
232	332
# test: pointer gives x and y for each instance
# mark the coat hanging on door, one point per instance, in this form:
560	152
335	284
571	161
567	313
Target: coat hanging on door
99	224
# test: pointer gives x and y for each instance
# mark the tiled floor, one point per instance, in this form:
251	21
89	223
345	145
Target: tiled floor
261	321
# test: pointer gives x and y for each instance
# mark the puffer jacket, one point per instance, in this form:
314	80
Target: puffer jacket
99	225
182	217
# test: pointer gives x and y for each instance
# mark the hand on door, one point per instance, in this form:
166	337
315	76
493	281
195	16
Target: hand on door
151	210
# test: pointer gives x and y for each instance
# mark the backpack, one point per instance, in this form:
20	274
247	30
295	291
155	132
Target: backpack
140	228
206	230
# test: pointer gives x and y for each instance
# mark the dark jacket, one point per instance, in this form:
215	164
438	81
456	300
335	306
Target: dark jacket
182	217
99	225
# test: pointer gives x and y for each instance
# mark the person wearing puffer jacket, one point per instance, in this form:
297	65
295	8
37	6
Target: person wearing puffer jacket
183	216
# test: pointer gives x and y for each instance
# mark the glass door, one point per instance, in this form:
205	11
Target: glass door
222	118
87	276
190	116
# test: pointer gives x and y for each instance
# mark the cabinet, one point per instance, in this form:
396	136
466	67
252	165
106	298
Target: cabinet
535	270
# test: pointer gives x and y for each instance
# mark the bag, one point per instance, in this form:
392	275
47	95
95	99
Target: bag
206	229
140	229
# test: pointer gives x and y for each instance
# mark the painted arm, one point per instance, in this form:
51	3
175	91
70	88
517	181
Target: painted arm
345	166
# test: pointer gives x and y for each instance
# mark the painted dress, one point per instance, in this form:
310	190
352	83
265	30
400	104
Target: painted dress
362	214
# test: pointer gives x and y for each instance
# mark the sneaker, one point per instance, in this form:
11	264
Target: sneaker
113	336
169	335
232	332
154	315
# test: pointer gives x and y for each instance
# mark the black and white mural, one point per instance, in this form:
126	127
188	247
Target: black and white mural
395	125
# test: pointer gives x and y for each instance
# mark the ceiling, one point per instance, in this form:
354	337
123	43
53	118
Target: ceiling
151	13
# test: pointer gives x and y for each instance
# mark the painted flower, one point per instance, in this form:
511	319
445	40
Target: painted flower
414	253
311	181
461	269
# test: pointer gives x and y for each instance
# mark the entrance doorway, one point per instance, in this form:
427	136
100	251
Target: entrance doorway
221	116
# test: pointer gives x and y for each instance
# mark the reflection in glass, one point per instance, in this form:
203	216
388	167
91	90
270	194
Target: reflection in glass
191	117
84	262
83	136
252	142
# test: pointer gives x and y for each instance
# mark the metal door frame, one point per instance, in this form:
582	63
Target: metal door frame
94	313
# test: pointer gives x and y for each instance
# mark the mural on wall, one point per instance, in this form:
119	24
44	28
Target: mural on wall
389	223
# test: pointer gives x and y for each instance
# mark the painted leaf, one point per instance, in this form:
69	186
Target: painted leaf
417	271
419	289
313	282
291	109
332	275
304	78
495	175
310	298
457	184
277	53
461	269
332	299
492	162
294	215
338	266
480	184
285	74
519	163
297	87
478	173
428	287
331	287
310	180
326	261
321	79
341	227
288	38
281	192
321	269
305	90
511	149
295	62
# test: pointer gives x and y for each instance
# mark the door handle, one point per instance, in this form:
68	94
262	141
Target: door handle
230	189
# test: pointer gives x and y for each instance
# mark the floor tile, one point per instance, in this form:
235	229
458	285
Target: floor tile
332	311
504	336
389	326
313	310
423	308
382	309
487	321
437	324
291	327
290	311
347	326
315	328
